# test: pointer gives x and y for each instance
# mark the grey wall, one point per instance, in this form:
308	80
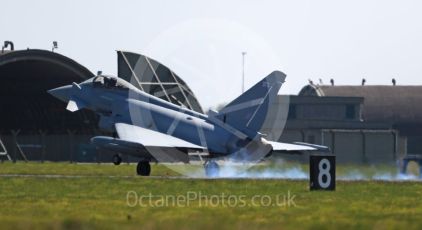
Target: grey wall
352	146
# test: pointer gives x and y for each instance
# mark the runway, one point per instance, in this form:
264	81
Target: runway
55	176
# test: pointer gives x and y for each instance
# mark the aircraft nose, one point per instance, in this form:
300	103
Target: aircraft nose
63	93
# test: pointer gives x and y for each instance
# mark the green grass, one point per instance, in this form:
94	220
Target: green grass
98	201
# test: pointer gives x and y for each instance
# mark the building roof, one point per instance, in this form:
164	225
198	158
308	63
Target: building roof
381	103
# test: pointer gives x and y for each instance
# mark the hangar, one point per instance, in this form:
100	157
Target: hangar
156	79
30	118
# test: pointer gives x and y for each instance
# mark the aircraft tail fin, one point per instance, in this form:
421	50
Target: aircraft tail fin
249	110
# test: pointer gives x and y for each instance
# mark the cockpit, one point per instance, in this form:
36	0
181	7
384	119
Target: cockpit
109	82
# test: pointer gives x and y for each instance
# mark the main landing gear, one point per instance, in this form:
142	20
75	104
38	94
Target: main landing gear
143	168
211	169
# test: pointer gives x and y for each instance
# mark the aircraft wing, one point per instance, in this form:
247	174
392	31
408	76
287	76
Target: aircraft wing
296	147
145	143
150	138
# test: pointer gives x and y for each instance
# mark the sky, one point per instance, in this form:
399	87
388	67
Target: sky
202	41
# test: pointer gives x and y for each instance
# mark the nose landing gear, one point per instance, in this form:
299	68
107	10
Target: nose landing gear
117	159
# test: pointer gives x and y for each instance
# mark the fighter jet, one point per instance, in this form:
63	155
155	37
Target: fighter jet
153	129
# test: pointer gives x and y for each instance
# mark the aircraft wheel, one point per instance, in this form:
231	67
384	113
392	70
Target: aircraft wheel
211	169
143	168
117	159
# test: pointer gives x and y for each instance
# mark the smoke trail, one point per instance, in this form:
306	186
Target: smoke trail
394	177
353	175
285	170
228	171
378	176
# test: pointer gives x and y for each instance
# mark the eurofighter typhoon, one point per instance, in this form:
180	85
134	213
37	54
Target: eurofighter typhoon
153	129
